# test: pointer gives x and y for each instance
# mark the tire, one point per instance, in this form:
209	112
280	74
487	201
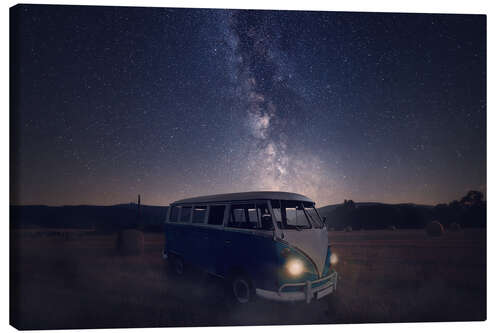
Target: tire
242	290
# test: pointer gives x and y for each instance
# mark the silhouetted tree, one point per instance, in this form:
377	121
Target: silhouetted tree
349	204
469	211
472	198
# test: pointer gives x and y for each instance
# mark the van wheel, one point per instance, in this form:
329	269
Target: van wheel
242	289
178	265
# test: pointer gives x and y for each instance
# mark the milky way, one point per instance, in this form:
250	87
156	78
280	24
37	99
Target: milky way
111	102
263	90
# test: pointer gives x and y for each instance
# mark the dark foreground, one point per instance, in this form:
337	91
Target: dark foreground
386	276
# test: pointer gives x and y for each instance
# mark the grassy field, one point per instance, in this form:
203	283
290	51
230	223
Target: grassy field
386	276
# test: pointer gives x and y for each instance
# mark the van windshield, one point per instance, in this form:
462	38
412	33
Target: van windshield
313	215
296	215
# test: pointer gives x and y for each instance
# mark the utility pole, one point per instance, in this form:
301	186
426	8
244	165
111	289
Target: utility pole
139	211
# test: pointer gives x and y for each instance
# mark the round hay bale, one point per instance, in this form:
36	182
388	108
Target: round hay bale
71	236
348	228
392	227
434	229
130	242
455	226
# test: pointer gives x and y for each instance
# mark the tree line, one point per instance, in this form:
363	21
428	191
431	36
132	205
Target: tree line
468	212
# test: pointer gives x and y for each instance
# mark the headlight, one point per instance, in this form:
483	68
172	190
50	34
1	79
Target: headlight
295	267
333	258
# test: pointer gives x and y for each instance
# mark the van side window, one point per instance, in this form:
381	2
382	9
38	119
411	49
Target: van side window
266	220
174	213
252	217
294	215
243	216
199	214
237	216
216	215
186	214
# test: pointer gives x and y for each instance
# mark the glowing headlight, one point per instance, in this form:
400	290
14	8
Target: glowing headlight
295	267
334	259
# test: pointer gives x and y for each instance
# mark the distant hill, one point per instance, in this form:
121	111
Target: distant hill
367	215
374	215
362	204
470	211
327	211
101	218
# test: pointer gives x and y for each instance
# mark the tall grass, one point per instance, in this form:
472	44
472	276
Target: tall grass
386	276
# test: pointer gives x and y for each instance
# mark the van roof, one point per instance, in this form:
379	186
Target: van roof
241	196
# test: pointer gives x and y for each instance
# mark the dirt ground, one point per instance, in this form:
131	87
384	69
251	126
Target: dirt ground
386	276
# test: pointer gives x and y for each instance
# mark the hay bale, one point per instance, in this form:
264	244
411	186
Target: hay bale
434	229
348	228
71	236
455	227
392	227
130	242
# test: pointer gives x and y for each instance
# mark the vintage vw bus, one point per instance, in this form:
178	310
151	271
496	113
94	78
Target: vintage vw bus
268	244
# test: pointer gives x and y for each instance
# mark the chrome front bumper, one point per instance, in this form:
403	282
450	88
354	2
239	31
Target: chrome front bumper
307	294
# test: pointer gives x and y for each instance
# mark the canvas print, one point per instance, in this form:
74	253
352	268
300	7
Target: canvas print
214	167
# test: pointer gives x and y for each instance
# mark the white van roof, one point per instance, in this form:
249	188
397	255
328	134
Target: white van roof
243	196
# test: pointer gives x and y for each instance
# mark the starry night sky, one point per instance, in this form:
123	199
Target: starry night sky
171	103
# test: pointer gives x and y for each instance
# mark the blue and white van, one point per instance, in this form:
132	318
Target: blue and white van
268	244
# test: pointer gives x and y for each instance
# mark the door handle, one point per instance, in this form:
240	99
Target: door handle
227	242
